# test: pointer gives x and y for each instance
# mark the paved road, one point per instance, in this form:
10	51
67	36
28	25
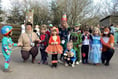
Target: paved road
35	71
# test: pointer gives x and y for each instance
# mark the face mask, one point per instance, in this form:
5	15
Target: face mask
105	32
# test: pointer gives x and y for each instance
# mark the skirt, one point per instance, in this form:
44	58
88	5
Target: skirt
54	49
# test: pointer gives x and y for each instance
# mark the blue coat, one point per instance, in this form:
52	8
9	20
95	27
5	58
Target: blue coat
74	57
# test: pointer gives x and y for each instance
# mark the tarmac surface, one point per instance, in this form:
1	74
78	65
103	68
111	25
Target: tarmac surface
39	71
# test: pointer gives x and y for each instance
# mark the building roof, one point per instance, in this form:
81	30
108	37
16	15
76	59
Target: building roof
108	17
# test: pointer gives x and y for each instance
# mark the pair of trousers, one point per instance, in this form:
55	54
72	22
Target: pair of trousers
68	61
85	51
107	55
43	55
26	54
7	61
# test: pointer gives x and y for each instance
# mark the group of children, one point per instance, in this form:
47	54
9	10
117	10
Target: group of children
73	45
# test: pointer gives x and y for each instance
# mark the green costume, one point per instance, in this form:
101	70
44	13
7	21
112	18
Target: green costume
77	40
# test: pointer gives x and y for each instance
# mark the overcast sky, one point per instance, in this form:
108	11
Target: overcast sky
6	3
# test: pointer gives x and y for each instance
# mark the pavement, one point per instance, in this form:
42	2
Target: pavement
39	71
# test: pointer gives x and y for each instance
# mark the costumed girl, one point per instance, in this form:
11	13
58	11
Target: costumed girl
54	46
95	47
7	44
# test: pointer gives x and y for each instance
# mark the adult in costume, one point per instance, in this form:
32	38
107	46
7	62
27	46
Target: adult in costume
108	49
64	32
28	40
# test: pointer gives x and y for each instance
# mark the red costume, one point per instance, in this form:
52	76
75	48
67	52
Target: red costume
54	48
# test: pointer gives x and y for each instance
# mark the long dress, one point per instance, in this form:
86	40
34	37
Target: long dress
95	50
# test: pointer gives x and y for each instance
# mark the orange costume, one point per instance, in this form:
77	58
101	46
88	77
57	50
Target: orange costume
108	46
111	40
54	46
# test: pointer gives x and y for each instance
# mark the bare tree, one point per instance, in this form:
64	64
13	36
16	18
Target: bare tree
76	10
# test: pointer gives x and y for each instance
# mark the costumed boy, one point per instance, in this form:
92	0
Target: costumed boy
43	44
70	55
76	38
54	46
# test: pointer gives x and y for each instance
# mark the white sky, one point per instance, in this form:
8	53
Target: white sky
6	3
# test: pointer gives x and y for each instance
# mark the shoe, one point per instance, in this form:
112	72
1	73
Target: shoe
97	64
24	61
80	61
39	62
60	61
55	65
33	61
77	62
7	70
46	63
103	61
66	64
73	65
106	64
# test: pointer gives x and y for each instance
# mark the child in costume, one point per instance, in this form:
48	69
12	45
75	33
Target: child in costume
54	46
50	27
116	34
7	44
70	55
76	38
95	47
37	30
43	44
85	45
108	49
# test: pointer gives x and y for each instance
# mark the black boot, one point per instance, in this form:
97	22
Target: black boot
107	63
33	60
52	65
103	61
55	65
